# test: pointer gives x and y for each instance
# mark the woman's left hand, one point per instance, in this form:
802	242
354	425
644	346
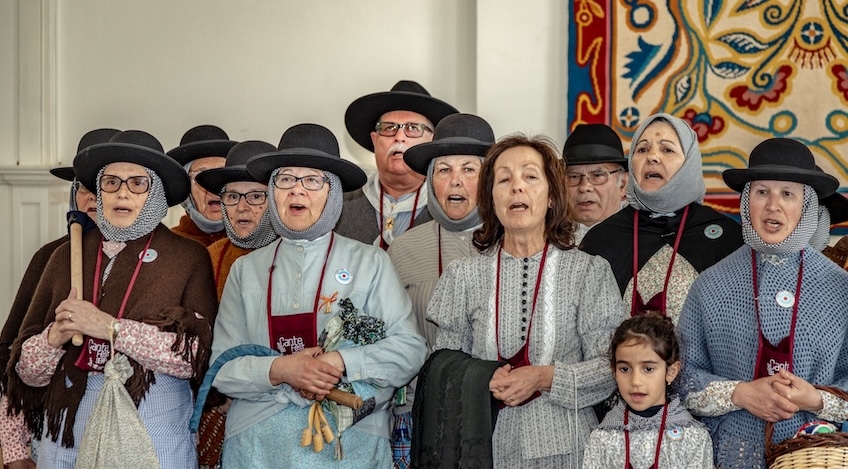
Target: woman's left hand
81	316
799	392
515	385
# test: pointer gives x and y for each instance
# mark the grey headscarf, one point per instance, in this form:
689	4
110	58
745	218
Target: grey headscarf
261	236
206	225
470	221
800	236
154	210
325	223
685	186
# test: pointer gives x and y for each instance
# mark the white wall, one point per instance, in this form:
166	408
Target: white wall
253	67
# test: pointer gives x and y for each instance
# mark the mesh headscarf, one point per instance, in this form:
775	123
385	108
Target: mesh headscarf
261	236
325	223
470	221
685	186
822	235
800	236
154	210
206	225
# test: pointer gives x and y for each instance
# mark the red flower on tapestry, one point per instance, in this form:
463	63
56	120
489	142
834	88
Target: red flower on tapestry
841	74
703	124
746	97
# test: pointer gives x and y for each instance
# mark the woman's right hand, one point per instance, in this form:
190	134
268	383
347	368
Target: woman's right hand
760	399
304	372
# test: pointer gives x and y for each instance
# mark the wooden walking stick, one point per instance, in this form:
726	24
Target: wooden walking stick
75	232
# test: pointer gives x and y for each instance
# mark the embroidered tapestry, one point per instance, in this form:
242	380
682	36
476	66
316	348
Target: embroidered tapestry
738	71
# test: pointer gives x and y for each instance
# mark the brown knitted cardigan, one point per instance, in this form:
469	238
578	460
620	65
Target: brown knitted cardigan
169	292
22	299
189	229
221	265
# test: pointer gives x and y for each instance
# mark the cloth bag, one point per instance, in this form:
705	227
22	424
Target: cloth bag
115	435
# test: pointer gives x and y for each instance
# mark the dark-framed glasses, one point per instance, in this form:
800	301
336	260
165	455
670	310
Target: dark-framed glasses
312	183
232	198
595	178
135	184
411	129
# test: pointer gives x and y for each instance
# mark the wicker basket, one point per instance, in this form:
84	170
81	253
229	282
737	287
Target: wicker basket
821	451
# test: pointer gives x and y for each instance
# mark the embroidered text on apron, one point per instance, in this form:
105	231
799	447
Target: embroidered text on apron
96	352
522	356
656	463
658	302
292	333
773	358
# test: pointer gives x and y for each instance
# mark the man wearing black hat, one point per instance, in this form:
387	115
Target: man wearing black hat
597	175
14	434
394	200
202	148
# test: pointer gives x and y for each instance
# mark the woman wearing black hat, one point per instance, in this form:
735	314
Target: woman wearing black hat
318	281
13	432
143	286
246	218
660	243
452	164
768	322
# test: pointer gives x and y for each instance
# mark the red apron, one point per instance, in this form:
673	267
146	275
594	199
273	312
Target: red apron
292	333
658	302
773	358
522	357
656	463
96	352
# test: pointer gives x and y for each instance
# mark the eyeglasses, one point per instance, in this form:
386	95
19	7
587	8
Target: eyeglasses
135	184
312	183
411	129
230	198
595	178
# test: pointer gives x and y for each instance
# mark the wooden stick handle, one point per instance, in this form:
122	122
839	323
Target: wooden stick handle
76	267
344	398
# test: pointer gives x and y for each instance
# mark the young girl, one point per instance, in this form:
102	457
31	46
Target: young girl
647	429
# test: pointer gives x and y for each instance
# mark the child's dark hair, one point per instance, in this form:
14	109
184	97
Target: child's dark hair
652	329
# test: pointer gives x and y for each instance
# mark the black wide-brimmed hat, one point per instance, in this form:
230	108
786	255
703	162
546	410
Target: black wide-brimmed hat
141	148
308	146
90	138
214	180
456	134
200	142
593	144
782	159
836	204
362	114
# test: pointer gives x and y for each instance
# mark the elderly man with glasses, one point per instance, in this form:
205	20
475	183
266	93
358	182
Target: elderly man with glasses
596	171
395	199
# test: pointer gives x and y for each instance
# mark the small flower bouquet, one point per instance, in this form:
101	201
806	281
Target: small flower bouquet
350	326
351	329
